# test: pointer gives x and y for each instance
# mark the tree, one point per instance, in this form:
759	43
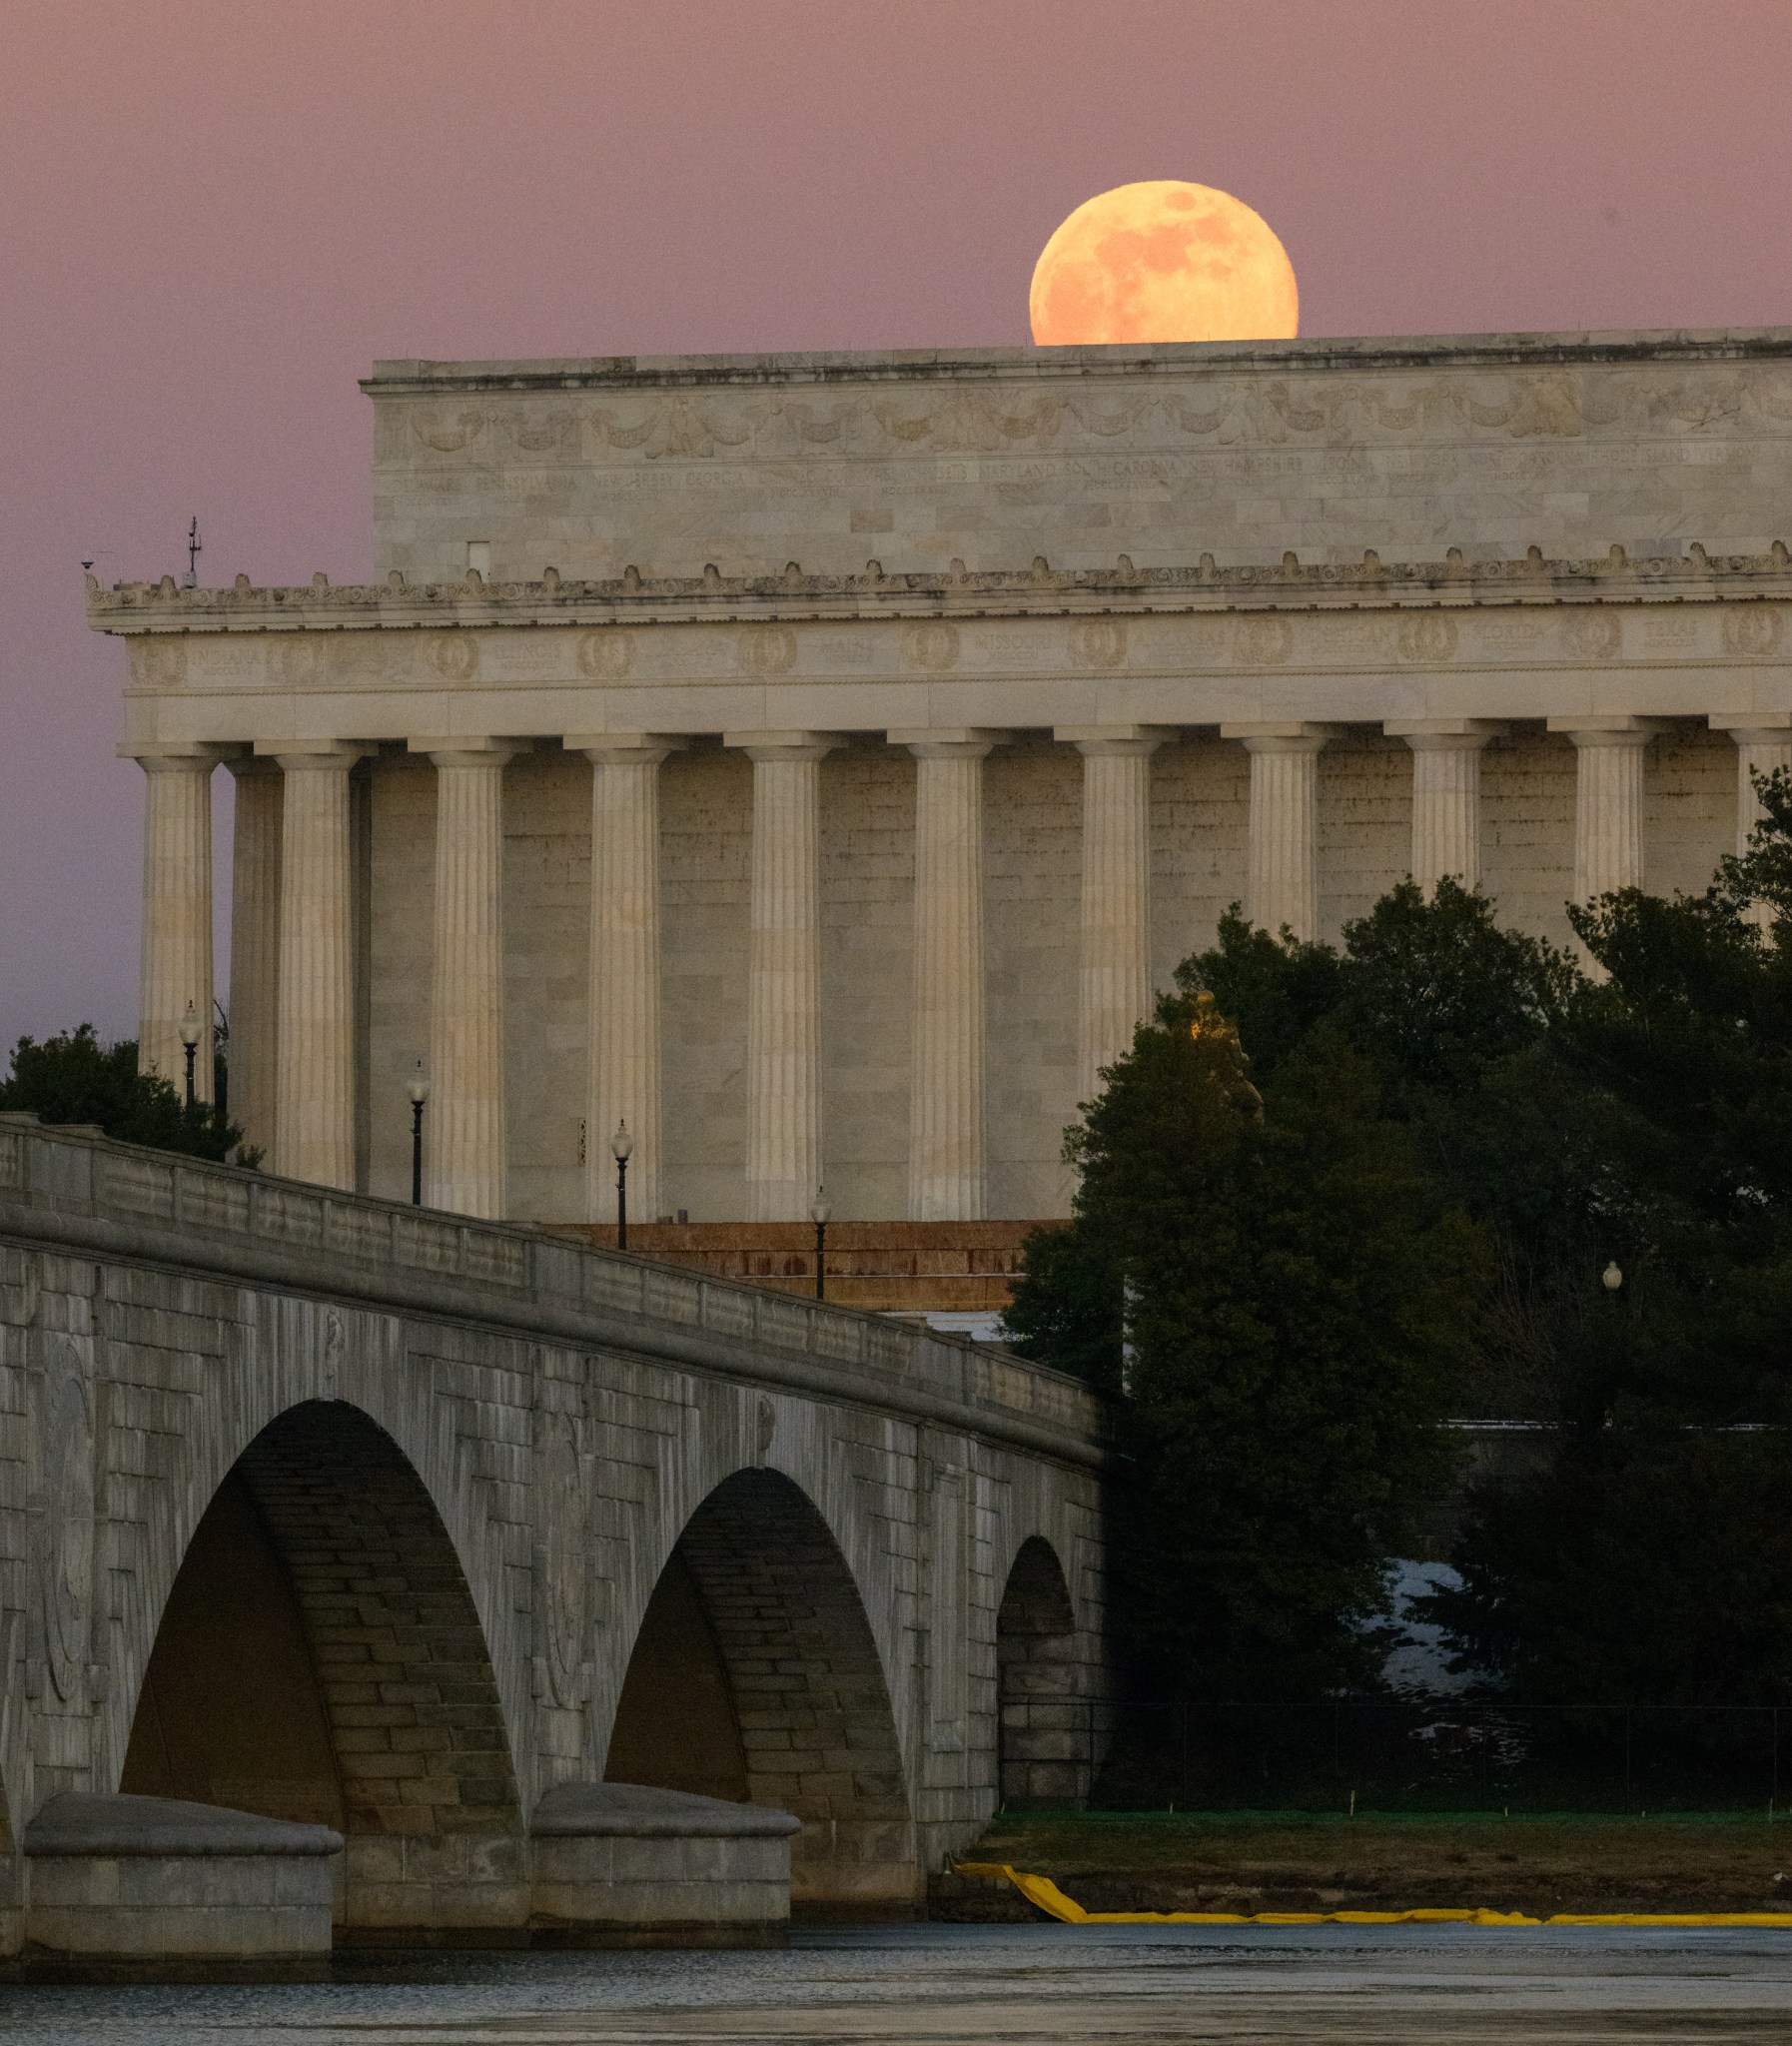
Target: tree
1637	1565
1285	1288
73	1078
1644	1561
1432	989
1454	1014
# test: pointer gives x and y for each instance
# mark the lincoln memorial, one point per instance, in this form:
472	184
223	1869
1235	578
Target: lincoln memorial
817	761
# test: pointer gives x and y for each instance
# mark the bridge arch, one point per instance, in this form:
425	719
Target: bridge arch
756	1674
319	1656
1046	1734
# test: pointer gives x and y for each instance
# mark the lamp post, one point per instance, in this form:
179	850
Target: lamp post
418	1091
819	1210
190	1036
620	1145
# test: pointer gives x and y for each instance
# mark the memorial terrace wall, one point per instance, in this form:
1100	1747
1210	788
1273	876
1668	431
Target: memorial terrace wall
1492	443
860	876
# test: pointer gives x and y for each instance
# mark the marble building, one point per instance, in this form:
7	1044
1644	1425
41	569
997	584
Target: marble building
817	761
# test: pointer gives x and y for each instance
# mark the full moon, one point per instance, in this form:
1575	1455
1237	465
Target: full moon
1163	261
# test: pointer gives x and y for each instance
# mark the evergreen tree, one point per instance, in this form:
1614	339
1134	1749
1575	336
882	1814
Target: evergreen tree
1455	1013
73	1078
1285	1288
1644	1561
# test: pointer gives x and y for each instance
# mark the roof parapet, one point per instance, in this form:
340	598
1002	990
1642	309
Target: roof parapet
1287	584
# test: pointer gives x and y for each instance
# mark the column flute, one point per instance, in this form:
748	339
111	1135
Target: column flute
947	1172
784	1162
177	910
624	1054
315	1089
1114	953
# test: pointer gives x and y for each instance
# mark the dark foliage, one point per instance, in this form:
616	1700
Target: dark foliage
1459	1131
1284	1285
73	1078
1645	1560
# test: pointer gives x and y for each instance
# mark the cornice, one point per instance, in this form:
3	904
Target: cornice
1290	584
416	378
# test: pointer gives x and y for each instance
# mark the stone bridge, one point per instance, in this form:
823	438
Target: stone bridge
343	1511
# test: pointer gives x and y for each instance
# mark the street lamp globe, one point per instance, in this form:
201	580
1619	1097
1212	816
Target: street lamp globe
622	1144
190	1030
419	1089
1611	1278
820	1208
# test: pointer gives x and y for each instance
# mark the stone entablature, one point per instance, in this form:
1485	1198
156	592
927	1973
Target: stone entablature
1526	638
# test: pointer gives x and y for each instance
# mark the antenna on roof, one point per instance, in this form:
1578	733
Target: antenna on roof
195	547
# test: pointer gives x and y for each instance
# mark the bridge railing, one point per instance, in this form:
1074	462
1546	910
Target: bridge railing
72	1186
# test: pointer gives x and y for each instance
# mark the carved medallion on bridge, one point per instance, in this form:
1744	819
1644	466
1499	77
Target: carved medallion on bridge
455	655
161	663
931	644
1427	637
295	662
1756	631
63	1477
1593	636
765	649
1264	642
1100	642
605	656
560	1586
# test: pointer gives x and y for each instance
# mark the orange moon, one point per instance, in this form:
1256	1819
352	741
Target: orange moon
1163	261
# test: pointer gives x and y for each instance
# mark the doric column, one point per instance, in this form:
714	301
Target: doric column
624	967
1608	801
1114	958
946	1135
783	1163
313	1131
1283	888
463	1133
177	911
255	950
1764	747
1447	795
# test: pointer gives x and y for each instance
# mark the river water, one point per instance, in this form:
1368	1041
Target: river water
938	1985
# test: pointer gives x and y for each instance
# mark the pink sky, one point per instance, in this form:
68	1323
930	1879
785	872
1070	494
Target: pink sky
216	216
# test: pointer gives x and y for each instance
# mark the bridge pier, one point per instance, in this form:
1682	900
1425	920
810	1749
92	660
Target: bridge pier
156	1886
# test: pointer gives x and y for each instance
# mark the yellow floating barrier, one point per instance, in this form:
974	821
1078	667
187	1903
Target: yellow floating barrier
1045	1895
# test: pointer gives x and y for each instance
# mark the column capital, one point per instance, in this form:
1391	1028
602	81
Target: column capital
1754	728
1444	734
475	752
1279	735
159	755
946	742
247	766
1614	729
301	753
1093	742
783	745
626	749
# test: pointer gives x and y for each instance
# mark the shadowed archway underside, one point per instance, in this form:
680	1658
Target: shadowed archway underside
755	1675
319	1659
